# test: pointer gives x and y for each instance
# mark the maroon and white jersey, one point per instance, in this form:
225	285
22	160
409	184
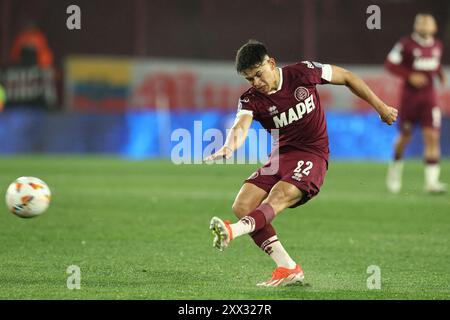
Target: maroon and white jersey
294	108
414	54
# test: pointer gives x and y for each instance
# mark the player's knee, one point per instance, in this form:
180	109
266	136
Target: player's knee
240	210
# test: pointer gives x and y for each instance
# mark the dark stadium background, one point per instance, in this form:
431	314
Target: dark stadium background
328	31
136	224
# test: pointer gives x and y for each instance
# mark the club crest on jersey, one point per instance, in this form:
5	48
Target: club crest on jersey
294	113
301	93
436	52
272	110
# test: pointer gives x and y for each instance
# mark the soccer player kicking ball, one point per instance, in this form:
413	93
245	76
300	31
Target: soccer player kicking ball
417	60
285	99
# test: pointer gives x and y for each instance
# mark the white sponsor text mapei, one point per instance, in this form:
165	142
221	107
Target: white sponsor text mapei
294	113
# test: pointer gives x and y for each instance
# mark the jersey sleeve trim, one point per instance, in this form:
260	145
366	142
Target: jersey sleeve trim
244	112
327	72
395	55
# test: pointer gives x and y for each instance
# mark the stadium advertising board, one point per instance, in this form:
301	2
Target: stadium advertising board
119	84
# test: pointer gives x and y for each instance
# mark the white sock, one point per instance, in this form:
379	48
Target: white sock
244	226
394	176
432	172
276	251
397	168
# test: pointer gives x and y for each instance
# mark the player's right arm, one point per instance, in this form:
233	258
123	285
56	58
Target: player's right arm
442	76
341	76
395	59
395	64
235	138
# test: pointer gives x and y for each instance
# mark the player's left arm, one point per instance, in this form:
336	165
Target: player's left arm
345	77
442	76
440	71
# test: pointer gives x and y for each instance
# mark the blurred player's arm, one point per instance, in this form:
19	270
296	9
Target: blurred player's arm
235	138
394	64
342	76
442	76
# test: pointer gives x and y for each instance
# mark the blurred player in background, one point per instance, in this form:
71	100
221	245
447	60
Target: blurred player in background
417	60
30	47
283	99
2	98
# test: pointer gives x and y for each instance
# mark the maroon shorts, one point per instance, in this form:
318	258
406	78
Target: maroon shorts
302	169
419	108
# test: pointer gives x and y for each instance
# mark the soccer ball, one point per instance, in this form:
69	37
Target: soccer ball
28	197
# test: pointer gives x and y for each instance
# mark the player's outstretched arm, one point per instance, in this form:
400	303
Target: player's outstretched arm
342	76
236	137
442	76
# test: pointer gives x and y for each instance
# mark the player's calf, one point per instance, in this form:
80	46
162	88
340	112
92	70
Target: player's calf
394	176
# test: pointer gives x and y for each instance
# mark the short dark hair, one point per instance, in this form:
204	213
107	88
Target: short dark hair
250	55
425	13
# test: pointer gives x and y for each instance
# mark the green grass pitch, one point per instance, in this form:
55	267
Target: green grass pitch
139	230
